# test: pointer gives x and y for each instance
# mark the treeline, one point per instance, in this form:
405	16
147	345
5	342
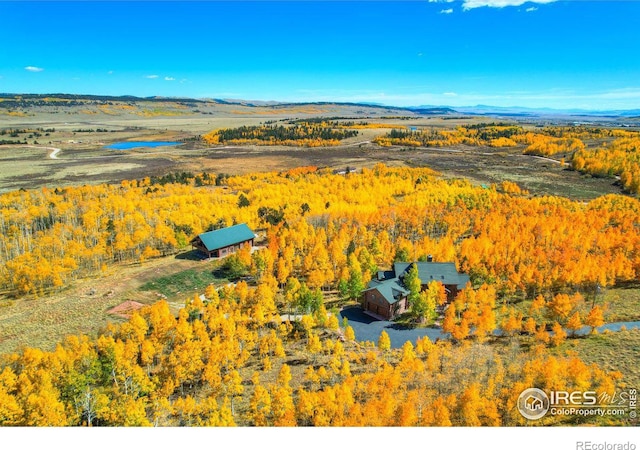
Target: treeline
91	130
547	141
15	132
495	135
338	122
307	134
620	157
30	100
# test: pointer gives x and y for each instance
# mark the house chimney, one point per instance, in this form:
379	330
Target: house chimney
429	258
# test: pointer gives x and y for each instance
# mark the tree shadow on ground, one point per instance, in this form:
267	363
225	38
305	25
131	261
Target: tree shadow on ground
191	255
401	326
355	314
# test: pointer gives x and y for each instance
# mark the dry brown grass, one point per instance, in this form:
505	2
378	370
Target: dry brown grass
83	307
84	160
613	351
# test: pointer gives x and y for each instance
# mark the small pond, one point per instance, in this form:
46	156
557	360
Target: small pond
140	144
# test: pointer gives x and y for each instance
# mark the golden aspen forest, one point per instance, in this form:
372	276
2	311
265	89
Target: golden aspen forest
536	264
314	224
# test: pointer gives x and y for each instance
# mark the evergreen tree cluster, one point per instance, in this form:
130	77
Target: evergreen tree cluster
282	133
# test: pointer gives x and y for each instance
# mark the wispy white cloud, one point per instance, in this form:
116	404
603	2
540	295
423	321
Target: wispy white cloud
533	8
441	1
446	11
169	79
110	72
449	94
470	4
151	77
33	69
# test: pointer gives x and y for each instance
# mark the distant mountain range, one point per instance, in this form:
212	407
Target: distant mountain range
524	111
480	110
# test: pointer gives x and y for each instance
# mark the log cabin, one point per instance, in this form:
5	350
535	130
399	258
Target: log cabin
223	242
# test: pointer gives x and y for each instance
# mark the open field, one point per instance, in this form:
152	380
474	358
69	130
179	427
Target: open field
181	284
623	303
82	307
82	158
80	127
619	351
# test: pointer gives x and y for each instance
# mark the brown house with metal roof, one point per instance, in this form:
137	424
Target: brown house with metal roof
387	295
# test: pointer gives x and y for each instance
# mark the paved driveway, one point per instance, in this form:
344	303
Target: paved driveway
367	328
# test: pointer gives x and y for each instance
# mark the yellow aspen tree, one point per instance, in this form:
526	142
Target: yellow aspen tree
512	324
314	346
471	405
449	322
574	323
384	343
233	387
595	318
530	326
537	305
486	322
10	411
311	375
323	374
461	331
349	334
559	335
438	414
332	322
423	346
211	293
282	404
260	407
345	369
542	335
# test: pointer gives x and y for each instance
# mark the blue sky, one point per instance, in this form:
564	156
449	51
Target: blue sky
559	54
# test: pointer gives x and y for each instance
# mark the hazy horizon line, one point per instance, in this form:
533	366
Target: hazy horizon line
334	101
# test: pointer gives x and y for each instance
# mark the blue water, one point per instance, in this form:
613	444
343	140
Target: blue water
138	144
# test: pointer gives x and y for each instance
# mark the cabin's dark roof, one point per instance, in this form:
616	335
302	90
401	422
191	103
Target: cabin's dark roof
392	290
225	237
444	272
386	274
390	283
